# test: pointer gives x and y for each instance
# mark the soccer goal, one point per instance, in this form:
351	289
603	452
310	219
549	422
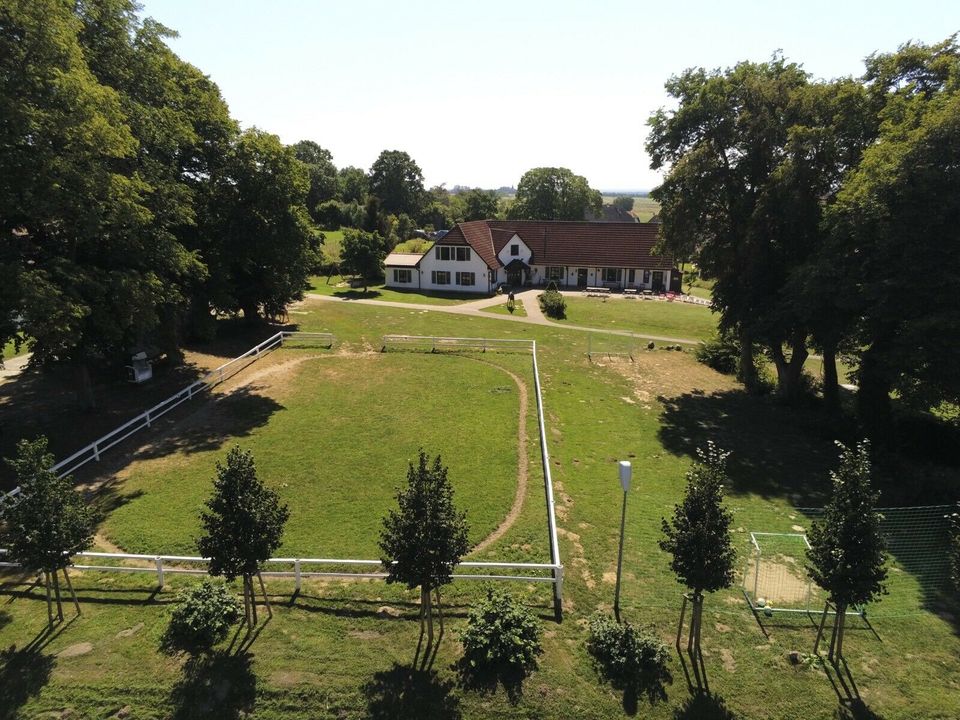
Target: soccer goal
610	347
775	579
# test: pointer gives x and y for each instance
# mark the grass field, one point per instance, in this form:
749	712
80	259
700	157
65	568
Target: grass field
324	286
643	316
332	435
518	309
9	351
337	651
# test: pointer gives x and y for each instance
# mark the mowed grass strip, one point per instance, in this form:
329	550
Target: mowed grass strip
680	320
333	436
332	286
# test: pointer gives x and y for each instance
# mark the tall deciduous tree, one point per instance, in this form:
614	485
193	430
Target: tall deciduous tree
847	555
423	540
324	181
353	185
362	253
896	235
398	181
261	245
243	526
549	193
480	204
49	523
698	538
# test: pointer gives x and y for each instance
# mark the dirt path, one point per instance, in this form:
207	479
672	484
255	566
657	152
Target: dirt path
522	465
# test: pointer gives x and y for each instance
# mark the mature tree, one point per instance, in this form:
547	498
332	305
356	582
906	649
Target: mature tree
896	237
549	193
723	143
324	180
698	538
623	203
398	181
353	185
480	204
243	525
425	537
261	245
49	523
362	253
847	555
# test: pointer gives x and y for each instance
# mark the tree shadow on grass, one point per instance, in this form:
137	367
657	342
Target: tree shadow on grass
405	692
776	451
23	673
704	706
218	685
486	680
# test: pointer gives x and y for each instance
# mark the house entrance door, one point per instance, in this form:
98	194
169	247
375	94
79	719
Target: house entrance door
581	277
515	277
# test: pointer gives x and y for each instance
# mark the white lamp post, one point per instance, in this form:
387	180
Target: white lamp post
626	473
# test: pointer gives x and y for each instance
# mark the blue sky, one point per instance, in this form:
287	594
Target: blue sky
479	92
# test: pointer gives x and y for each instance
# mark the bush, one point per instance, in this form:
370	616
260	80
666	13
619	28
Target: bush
721	352
629	659
553	304
202	618
501	642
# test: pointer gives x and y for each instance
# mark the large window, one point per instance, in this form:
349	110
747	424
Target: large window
514	250
466	278
443	252
440	277
646	277
463	254
611	274
554	273
402	276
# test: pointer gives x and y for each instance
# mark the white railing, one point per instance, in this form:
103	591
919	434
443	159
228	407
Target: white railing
173	564
299	568
436	343
94	450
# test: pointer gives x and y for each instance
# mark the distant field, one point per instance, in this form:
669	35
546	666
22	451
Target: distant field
332	245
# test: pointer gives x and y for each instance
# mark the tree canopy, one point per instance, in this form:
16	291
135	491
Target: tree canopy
362	253
398	182
550	193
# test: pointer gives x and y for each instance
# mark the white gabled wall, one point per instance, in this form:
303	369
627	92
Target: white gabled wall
525	253
478	267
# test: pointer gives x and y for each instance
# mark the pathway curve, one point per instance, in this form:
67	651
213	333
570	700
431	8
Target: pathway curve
13	366
529	300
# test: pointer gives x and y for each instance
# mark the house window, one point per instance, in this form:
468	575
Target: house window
514	250
440	277
401	276
466	278
463	254
554	273
443	252
646	277
611	274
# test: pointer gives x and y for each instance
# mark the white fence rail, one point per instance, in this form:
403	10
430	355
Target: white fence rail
94	450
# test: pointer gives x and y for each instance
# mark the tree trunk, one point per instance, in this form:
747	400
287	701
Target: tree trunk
253	600
439	611
251	312
266	599
46	586
76	602
56	595
85	396
873	397
425	598
747	373
246	603
841	626
831	383
790	372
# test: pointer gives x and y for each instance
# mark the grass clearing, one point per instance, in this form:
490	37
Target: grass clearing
518	309
339	286
679	320
337	651
10	351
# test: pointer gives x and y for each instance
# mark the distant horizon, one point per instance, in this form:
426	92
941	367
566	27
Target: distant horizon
479	94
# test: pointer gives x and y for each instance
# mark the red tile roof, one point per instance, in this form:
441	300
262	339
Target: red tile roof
571	244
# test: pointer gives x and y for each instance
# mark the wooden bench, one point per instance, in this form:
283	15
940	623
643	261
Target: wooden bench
597	291
629	291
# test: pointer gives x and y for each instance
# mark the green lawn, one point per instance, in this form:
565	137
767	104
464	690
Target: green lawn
676	319
518	309
332	245
10	352
333	438
333	651
321	285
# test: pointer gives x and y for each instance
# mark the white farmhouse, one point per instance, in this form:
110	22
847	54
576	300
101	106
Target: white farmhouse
481	255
